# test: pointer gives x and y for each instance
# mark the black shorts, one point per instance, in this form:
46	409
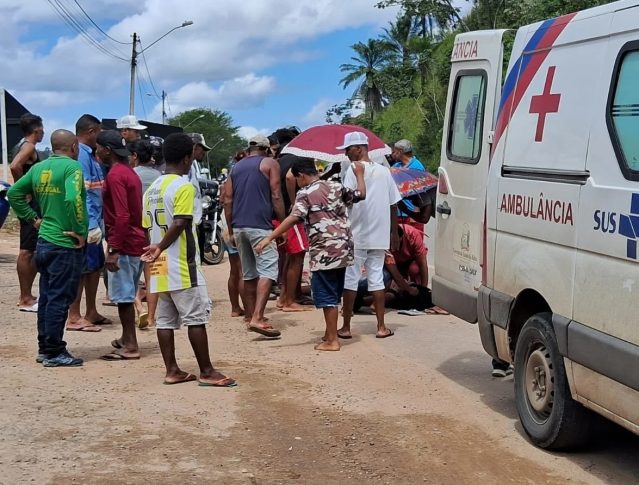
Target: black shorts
28	236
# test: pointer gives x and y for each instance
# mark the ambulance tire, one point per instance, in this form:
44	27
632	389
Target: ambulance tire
548	414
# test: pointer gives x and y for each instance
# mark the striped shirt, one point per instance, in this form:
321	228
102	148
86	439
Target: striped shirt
171	197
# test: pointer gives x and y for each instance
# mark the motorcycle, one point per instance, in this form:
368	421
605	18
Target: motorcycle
4	203
210	229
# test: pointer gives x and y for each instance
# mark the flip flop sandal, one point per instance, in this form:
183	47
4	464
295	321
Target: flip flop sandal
186	378
345	337
117	357
29	309
103	321
84	328
116	344
267	332
108	303
389	334
226	382
143	320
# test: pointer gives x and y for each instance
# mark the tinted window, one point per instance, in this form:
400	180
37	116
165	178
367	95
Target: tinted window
624	111
465	135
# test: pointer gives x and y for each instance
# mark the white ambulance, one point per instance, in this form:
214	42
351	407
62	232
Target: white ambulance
538	214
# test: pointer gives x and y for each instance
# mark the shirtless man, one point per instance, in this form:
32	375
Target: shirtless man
26	156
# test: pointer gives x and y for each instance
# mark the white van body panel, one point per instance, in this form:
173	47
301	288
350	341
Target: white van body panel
561	214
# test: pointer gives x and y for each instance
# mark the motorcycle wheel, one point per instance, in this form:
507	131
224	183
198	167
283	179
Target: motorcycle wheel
214	252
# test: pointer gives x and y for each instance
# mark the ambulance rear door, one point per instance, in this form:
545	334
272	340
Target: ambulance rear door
473	94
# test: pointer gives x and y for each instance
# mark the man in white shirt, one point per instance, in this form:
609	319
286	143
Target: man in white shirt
374	228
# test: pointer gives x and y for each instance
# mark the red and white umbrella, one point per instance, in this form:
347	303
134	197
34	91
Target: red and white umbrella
321	142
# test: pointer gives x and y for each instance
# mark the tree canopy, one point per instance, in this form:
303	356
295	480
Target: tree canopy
403	73
219	133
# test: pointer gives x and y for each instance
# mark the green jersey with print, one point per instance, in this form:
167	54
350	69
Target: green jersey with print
57	184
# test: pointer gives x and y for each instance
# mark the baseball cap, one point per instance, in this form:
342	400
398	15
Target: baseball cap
131	122
260	141
113	140
404	145
353	138
198	139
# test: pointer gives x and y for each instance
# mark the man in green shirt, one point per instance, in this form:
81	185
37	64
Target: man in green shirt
57	185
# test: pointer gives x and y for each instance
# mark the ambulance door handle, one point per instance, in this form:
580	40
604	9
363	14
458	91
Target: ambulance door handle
444	208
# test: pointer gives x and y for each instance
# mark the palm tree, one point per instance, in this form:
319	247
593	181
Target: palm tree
397	37
367	65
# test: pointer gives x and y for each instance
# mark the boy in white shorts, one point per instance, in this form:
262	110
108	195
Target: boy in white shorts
175	269
373	224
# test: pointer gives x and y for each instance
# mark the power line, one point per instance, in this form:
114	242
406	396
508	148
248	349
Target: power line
142	97
146	66
98	27
70	20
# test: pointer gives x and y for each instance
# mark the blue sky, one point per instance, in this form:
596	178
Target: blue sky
269	63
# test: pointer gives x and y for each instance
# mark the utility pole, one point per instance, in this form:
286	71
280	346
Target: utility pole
134	61
163	110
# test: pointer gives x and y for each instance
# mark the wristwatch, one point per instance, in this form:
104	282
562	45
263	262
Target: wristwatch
113	251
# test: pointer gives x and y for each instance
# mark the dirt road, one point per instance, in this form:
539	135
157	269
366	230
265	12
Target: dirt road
420	407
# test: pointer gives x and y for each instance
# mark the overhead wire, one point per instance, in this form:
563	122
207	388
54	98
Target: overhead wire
146	66
72	22
142	97
97	26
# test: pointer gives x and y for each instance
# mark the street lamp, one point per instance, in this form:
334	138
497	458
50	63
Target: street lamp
134	56
193	121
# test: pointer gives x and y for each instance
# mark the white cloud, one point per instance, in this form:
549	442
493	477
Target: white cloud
219	61
317	114
248	132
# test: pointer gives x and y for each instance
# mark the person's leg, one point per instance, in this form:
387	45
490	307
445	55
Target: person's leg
166	339
167	323
123	287
63	273
293	277
501	368
250	296
266	267
91	284
75	312
249	271
235	277
328	287
375	275
351	283
41	261
281	274
25	267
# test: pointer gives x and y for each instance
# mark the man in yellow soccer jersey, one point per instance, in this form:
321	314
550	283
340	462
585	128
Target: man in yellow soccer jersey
175	269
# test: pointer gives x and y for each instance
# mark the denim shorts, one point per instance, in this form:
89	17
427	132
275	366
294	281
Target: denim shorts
230	248
327	287
123	284
254	265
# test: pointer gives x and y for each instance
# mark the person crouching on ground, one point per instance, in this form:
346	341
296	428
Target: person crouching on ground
175	265
322	205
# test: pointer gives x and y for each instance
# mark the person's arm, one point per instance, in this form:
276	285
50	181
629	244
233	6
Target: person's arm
402	284
276	188
291	185
350	196
394	231
75	205
227	197
280	231
182	216
24	155
94	210
17	196
336	168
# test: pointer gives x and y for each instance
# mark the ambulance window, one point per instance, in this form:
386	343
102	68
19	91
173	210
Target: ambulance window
624	114
466	120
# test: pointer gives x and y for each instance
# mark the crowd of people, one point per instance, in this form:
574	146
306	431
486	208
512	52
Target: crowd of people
112	206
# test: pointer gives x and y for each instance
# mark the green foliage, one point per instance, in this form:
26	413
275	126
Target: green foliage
408	66
215	125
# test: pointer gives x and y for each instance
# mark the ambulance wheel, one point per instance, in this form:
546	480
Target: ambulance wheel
549	415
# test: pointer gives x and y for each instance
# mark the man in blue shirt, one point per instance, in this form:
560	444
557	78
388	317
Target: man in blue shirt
87	129
404	158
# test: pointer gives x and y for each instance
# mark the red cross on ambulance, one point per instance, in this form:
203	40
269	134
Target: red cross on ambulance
545	103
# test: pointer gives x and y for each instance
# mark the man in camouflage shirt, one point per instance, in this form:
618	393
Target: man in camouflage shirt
322	205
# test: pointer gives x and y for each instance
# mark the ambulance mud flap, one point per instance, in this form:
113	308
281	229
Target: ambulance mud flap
493	308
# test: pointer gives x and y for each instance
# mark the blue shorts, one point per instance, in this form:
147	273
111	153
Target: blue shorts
327	287
123	284
93	258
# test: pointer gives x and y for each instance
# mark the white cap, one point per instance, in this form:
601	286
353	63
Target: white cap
354	138
130	122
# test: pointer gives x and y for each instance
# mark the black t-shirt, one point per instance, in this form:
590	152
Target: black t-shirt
286	162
